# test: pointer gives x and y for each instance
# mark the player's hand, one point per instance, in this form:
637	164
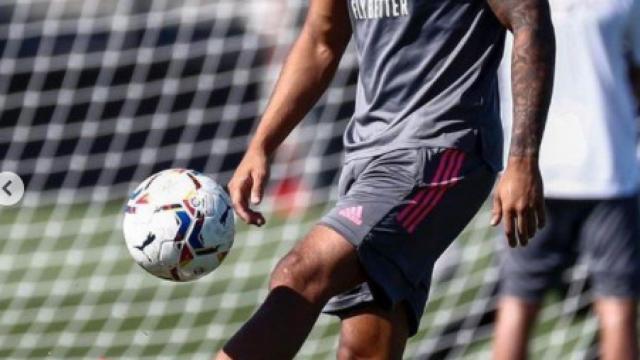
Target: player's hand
247	184
518	201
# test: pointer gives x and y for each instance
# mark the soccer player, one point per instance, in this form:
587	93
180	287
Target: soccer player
422	152
591	181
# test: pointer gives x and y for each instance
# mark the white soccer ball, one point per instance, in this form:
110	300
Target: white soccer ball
179	225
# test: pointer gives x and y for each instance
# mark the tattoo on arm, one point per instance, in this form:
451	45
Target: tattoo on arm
532	69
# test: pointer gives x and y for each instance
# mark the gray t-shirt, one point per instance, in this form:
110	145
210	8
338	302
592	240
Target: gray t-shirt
428	77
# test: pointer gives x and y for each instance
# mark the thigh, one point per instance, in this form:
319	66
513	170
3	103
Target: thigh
371	332
322	264
401	213
611	243
527	272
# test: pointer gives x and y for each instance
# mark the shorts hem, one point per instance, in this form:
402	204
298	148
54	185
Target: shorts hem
347	304
531	296
389	289
342	231
611	286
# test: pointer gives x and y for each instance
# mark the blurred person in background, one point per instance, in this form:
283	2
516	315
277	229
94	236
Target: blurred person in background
422	152
591	180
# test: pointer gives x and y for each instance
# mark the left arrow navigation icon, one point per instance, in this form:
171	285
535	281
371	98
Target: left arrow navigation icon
11	188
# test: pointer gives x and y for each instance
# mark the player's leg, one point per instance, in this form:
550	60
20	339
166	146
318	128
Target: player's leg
618	329
320	266
304	280
371	332
404	236
513	326
611	238
526	273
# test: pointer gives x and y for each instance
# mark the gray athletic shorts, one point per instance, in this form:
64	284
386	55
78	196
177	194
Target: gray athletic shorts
401	210
605	233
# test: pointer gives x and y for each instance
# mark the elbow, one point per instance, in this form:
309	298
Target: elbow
321	50
539	37
327	40
326	53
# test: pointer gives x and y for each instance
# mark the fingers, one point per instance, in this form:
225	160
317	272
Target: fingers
247	185
521	229
518	203
507	215
515	227
508	219
531	222
496	212
525	221
519	225
258	187
239	190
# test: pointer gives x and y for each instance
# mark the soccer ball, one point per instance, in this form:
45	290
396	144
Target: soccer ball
178	225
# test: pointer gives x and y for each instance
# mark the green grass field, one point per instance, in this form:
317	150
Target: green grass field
70	290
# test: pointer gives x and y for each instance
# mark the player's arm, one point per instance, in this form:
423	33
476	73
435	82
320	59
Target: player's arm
634	49
307	72
635	78
518	198
634	72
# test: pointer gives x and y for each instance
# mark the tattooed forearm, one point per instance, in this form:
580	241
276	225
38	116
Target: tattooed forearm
532	67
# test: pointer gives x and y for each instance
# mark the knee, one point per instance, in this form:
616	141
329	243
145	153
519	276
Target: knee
354	348
300	274
289	272
351	353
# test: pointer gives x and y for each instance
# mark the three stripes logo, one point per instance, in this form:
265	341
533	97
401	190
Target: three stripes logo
354	214
425	200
